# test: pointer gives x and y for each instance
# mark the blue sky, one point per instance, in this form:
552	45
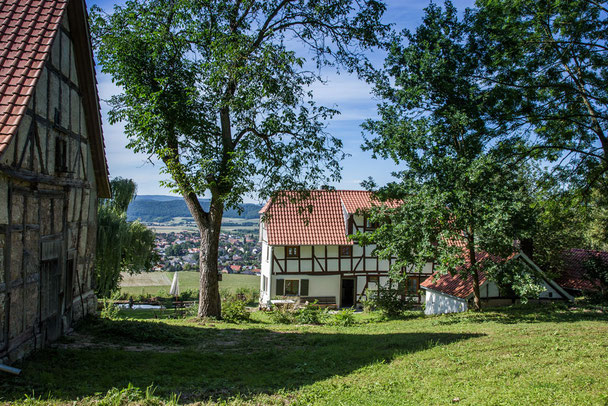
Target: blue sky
345	92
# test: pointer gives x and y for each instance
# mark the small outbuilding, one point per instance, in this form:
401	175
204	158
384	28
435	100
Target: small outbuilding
453	293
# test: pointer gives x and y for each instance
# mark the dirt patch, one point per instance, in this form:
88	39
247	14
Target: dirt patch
78	341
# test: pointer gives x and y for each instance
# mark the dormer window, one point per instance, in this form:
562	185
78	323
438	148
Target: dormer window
292	252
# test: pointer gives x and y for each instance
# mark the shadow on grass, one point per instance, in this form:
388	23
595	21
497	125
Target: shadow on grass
204	363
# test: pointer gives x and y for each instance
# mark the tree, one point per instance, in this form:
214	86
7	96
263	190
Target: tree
121	246
548	61
218	90
460	196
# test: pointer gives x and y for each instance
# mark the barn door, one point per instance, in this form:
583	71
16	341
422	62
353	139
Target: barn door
51	292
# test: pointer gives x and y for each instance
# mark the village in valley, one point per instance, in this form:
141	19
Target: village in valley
303	202
179	251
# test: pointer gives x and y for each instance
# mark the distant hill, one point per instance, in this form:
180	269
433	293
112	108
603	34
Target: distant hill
160	208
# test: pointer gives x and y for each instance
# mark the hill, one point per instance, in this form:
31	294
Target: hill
158	208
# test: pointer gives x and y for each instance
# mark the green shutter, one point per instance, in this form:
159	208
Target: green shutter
304	287
280	287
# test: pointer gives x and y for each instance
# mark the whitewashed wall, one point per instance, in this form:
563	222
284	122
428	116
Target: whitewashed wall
440	303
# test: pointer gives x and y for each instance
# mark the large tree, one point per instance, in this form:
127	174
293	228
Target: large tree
122	246
219	91
548	61
461	197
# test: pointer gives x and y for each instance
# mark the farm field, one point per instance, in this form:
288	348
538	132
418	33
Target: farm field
158	283
516	356
229	224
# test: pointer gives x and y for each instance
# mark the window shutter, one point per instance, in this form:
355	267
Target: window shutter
304	287
280	287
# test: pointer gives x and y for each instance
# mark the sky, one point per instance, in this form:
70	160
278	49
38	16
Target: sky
345	92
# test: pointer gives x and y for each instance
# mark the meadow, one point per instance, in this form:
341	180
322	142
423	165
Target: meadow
510	356
160	283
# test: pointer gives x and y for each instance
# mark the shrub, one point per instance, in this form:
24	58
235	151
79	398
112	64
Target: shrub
309	314
386	300
344	318
190	294
234	311
282	314
109	310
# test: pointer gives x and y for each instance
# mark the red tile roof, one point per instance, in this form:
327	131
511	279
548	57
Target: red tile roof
27	29
457	285
454	285
572	273
318	219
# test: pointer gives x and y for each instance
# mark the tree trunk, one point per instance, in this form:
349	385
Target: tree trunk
473	261
209	304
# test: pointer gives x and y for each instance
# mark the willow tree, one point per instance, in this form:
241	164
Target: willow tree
121	246
219	92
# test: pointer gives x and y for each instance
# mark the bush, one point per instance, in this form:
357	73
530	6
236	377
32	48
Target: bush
109	310
386	300
234	311
282	314
344	318
190	294
309	314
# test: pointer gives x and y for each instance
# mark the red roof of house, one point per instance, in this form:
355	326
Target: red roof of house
572	274
318	219
27	30
454	285
457	285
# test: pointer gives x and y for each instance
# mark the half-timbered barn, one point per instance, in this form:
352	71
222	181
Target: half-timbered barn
52	171
306	251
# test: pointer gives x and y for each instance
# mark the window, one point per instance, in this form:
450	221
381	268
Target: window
292	287
61	155
292	252
373	279
346	250
369	223
412	286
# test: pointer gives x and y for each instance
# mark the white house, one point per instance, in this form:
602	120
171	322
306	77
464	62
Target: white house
453	293
306	251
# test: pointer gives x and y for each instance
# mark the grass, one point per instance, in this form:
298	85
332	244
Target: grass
190	281
521	355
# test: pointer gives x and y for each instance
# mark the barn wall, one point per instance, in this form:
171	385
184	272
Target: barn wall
48	206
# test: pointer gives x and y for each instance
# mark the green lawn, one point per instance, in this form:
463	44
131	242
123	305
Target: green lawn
190	281
521	356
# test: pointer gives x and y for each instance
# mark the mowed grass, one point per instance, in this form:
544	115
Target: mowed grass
517	356
190	281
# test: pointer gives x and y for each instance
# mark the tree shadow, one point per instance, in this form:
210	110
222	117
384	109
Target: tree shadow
205	363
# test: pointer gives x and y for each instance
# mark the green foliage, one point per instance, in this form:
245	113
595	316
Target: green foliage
309	314
596	271
109	310
343	318
387	300
234	311
461	191
121	246
282	314
547	64
132	395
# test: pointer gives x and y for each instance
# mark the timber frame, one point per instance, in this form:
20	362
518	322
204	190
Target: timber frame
51	174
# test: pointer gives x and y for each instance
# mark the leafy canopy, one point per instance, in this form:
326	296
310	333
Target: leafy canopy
548	61
220	90
461	194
